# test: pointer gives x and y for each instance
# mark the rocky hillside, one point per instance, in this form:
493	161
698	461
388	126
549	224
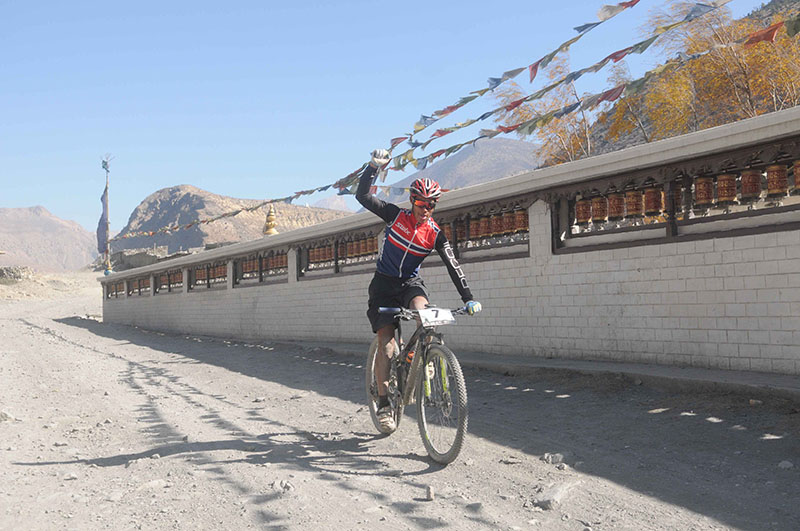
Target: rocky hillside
184	204
36	238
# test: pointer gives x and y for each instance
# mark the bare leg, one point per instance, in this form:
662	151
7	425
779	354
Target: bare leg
386	348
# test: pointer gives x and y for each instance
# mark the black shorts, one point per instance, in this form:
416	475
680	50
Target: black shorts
393	293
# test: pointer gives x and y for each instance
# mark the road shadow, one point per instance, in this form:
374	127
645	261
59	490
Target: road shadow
715	454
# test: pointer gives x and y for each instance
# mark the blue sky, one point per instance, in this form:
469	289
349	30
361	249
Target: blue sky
253	99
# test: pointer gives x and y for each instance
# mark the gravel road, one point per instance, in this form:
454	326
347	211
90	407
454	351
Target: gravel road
113	427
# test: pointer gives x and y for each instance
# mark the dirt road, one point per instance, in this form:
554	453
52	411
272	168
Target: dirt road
107	426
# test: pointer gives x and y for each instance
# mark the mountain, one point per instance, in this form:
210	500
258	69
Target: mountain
334	202
36	238
184	204
487	160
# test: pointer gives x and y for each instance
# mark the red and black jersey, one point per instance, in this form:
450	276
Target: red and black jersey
406	244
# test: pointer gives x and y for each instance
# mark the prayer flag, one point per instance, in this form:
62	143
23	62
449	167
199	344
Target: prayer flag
102	225
533	68
620	54
511	74
767	35
494	82
514	104
640	47
567	109
698	10
509	129
611	94
606	12
586	27
398	140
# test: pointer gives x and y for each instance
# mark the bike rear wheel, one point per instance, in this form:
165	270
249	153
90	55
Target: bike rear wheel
442	413
372	391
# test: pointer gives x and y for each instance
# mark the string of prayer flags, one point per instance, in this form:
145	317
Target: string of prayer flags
605	13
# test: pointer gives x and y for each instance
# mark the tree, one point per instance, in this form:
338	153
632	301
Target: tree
563	139
629	114
728	83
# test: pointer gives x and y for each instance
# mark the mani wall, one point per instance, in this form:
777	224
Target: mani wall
682	252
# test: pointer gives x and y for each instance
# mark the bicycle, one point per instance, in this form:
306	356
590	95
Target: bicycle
433	379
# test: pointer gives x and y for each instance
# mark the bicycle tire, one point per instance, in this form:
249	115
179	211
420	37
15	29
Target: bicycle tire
444	392
372	391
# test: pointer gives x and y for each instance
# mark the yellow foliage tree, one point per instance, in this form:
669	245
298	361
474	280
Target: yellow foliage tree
730	83
564	139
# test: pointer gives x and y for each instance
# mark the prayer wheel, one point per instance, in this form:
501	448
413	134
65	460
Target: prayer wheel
634	204
616	206
284	262
474	228
703	192
351	249
461	229
599	209
496	224
777	181
653	201
342	250
508	222
448	231
583	212
484	229
751	185
726	189
373	245
796	172
521	219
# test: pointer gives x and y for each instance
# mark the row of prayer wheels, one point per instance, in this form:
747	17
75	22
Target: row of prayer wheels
347	249
730	190
279	260
746	188
356	248
492	223
631	204
219	271
173	277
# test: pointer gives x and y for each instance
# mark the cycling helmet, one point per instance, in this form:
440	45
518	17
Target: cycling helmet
426	189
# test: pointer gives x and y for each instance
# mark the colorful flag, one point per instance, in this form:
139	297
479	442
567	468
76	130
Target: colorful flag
765	35
586	27
396	141
102	225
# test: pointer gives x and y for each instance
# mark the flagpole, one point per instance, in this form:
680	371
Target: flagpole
106	160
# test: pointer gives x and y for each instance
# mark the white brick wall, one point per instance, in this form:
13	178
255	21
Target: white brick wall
731	303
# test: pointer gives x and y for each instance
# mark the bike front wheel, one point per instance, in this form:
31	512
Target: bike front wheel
372	391
442	413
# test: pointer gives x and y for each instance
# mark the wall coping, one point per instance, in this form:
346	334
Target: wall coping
728	137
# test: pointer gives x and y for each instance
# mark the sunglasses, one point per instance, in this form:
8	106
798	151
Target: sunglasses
427	205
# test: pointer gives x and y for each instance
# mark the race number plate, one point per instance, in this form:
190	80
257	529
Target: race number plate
436	316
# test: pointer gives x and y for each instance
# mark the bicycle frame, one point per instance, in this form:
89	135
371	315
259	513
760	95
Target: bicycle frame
419	343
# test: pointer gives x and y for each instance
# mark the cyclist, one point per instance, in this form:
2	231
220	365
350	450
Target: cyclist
410	236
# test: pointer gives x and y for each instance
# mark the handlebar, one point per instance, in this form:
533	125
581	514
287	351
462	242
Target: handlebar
406	314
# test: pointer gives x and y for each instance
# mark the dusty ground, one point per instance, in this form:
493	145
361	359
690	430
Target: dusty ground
105	426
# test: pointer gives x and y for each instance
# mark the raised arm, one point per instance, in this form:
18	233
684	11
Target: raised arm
387	211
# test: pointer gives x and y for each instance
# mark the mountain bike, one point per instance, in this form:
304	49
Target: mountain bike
424	371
